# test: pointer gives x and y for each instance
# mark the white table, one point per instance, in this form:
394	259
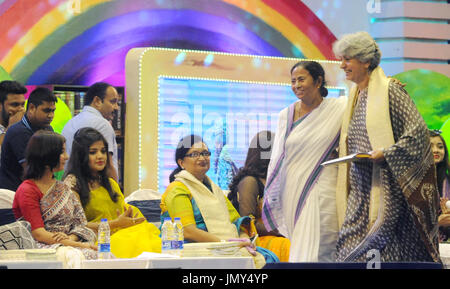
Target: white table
204	263
444	250
183	263
31	264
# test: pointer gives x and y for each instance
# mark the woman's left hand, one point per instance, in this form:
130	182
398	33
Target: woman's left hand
444	220
126	219
245	242
396	81
59	236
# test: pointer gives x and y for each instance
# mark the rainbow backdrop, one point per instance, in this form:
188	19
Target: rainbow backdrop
84	41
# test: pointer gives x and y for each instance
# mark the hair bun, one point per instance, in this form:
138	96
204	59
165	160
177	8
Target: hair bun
323	91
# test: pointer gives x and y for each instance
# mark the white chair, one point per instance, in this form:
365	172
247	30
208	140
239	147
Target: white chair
143	194
6	203
6	198
147	201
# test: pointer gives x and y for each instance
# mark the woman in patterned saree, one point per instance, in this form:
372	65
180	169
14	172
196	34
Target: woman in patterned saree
54	212
101	197
387	205
299	198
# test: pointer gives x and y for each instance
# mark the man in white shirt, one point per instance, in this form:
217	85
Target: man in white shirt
101	102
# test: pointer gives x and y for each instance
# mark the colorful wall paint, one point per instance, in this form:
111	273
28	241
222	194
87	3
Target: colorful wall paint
84	41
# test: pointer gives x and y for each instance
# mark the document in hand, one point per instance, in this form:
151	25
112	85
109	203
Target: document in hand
347	159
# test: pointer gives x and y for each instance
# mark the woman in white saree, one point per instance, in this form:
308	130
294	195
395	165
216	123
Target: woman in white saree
299	199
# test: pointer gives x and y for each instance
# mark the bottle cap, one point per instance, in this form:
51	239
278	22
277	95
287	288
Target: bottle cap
167	219
177	219
104	220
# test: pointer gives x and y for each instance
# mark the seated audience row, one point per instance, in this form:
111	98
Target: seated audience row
68	213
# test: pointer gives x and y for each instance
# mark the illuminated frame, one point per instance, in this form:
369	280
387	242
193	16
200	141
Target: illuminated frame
145	66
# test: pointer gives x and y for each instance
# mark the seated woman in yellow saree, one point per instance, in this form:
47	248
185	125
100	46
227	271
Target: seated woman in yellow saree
205	212
101	197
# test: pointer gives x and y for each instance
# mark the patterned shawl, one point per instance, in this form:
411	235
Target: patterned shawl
62	212
409	159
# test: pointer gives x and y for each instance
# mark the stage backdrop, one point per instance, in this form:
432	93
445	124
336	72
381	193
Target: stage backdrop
225	98
84	41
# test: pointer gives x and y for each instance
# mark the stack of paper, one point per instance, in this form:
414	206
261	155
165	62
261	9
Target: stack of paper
349	158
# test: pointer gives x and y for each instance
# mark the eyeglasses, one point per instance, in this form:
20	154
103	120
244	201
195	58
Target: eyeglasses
196	155
435	131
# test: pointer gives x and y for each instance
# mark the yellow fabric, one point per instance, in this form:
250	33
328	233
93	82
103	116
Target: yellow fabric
128	242
101	206
177	201
132	241
280	246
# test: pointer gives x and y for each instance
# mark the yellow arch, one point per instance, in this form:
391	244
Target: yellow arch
280	23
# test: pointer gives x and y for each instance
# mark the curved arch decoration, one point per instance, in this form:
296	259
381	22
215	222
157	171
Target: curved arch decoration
48	43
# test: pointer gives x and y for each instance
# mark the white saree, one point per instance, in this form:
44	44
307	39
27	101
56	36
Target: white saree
299	197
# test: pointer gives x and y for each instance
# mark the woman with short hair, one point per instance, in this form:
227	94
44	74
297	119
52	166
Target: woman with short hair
54	212
389	203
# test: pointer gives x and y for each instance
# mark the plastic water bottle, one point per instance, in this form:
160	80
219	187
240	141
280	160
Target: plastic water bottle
104	240
179	237
167	236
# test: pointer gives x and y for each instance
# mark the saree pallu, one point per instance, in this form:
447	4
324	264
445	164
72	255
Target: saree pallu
390	207
299	198
212	205
62	212
127	242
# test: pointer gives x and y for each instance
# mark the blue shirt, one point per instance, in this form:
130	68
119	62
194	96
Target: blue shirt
91	117
13	152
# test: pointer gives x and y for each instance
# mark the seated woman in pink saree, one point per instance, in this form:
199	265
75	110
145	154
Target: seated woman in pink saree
54	212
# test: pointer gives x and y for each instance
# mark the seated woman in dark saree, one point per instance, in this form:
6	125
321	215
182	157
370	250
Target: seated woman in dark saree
54	212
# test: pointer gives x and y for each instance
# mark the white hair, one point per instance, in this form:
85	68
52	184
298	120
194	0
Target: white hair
359	45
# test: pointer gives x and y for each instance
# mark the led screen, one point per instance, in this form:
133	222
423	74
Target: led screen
227	114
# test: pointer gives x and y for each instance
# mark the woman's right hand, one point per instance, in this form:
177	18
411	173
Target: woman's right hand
443	204
126	219
90	246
